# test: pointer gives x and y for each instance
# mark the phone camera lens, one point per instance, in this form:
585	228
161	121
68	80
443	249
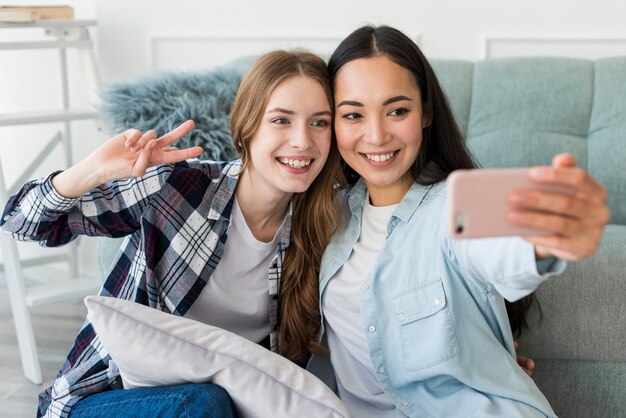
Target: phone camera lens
458	223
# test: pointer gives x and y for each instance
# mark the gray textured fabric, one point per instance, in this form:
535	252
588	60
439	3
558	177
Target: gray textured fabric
607	132
583	389
584	309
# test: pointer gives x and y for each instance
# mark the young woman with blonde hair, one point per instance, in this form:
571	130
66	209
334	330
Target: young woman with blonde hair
235	244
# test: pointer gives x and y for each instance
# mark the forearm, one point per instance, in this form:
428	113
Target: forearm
508	264
78	179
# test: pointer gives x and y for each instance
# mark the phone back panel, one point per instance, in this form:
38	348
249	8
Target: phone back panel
477	204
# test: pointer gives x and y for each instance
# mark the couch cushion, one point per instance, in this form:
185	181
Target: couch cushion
525	110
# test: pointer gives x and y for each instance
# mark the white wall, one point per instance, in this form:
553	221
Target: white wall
447	28
136	37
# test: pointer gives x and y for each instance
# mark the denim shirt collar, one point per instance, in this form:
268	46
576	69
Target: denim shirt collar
405	210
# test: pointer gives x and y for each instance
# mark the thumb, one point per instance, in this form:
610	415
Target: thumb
565	159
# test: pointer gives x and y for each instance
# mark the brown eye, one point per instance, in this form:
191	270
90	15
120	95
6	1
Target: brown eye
320	123
399	112
352	116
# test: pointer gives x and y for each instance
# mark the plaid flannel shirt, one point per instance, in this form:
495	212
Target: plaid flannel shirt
175	219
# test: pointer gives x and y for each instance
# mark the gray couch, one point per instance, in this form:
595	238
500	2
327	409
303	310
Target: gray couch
520	112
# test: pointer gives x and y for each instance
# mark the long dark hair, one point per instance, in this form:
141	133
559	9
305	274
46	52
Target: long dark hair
443	148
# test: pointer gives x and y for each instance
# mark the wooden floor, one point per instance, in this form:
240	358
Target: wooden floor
55	329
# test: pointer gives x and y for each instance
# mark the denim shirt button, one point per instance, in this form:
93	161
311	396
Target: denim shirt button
366	286
401	317
437	301
372	328
381	370
405	403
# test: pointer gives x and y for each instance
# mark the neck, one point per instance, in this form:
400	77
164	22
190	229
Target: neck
263	209
391	194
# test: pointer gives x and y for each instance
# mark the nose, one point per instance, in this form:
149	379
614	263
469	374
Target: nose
300	137
375	131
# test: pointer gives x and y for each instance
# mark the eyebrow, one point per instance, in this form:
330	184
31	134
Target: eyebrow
281	110
385	103
396	99
291	112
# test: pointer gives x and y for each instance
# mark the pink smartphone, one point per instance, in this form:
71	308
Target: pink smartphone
477	204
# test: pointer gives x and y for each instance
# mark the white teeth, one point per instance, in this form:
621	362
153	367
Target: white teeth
380	158
295	163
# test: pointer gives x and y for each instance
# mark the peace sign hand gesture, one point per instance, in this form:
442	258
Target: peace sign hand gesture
125	155
131	153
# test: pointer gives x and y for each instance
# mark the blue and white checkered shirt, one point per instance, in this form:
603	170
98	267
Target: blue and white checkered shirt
175	219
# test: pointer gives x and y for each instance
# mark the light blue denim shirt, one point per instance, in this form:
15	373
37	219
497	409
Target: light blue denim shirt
434	315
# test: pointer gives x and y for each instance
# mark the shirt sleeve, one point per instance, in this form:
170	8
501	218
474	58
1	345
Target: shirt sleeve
38	213
508	264
88	369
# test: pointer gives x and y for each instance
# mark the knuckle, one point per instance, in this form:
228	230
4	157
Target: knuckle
572	226
558	242
562	224
580	176
567	204
130	133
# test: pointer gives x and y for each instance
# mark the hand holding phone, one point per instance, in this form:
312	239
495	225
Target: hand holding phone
477	203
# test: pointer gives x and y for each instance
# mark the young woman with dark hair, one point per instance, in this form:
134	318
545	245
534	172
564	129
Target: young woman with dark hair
416	321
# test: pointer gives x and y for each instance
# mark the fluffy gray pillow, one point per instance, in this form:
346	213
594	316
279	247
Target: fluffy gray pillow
165	100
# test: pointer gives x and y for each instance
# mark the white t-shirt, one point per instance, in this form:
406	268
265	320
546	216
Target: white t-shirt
236	297
356	379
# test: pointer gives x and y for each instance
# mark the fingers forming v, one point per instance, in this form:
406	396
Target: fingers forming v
177	133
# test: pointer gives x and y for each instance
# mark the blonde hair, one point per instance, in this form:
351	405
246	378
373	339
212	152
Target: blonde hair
314	213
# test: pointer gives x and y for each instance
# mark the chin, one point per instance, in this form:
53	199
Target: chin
298	189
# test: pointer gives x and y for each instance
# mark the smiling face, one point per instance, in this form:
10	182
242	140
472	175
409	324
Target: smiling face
291	144
378	124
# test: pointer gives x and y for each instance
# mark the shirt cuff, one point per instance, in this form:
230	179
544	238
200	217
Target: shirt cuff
51	199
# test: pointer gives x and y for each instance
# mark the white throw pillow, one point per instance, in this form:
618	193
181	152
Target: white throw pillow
153	348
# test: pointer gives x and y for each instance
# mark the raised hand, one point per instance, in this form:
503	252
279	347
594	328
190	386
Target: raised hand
125	155
131	153
577	222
